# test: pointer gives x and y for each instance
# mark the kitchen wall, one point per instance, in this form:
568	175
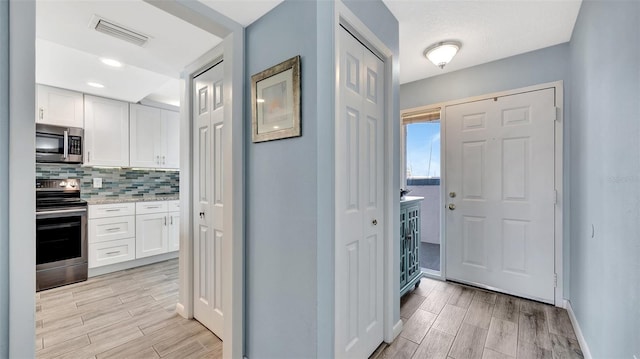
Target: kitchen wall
116	182
605	173
4	179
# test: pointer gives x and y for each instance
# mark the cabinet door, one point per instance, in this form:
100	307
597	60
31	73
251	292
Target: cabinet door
174	231
171	137
106	132
146	145
151	234
59	107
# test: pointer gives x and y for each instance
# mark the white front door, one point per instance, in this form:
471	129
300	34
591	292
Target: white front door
501	194
359	200
208	199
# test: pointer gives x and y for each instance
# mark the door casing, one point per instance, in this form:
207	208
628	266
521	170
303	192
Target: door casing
343	16
232	51
562	200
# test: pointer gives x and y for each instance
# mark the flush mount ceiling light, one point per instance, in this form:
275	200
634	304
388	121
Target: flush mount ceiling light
111	62
95	84
442	52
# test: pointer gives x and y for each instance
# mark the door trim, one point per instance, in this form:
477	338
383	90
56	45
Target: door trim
343	16
232	50
562	201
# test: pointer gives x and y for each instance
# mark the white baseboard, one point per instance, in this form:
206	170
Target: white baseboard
397	329
180	310
576	327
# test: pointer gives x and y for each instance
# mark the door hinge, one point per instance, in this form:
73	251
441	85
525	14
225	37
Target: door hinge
558	114
555	280
555	196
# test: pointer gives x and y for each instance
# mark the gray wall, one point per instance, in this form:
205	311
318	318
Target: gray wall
4	179
289	201
281	214
605	172
531	68
541	66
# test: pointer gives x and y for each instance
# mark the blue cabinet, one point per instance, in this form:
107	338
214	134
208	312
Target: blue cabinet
410	272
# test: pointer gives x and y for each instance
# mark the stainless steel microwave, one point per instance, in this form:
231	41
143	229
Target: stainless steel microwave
58	144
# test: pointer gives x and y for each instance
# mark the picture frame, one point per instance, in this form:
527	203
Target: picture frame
275	102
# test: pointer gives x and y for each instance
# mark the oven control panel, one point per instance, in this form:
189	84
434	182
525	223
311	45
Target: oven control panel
60	184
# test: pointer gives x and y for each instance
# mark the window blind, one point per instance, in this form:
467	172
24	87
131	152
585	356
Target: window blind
421	116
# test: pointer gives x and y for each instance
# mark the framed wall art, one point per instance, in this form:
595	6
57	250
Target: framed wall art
275	102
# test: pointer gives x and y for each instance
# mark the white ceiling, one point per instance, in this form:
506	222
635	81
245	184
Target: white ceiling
489	30
243	12
68	50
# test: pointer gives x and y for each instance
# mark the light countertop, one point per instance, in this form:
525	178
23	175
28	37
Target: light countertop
408	199
125	199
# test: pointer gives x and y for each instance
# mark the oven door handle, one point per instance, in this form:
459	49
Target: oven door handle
80	211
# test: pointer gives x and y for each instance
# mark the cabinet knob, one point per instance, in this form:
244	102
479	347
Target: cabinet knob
374	222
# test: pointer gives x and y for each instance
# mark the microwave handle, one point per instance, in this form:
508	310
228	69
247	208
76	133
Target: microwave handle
66	144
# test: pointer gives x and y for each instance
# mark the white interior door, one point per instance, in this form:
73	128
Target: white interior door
359	200
501	193
208	201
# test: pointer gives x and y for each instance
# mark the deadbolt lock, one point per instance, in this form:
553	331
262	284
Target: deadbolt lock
452	194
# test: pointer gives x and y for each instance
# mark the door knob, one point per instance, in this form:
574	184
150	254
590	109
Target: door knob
374	222
452	206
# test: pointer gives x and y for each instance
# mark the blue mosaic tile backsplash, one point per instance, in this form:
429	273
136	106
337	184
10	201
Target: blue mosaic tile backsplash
116	182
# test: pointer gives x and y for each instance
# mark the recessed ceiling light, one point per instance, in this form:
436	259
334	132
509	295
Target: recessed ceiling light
111	62
95	84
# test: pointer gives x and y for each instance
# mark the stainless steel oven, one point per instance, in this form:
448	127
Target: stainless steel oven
61	234
58	144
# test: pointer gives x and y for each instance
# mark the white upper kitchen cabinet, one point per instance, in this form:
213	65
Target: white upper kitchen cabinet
155	136
171	128
59	107
106	132
145	141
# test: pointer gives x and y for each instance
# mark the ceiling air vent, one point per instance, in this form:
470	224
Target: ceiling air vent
118	31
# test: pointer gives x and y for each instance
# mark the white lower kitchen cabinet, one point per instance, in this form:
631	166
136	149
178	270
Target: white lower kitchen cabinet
174	231
152	234
111	252
111	234
127	232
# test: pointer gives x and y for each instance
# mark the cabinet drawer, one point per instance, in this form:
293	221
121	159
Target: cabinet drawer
111	210
105	253
108	229
174	206
151	207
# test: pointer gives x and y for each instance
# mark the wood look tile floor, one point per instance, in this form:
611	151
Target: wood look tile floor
126	314
451	321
